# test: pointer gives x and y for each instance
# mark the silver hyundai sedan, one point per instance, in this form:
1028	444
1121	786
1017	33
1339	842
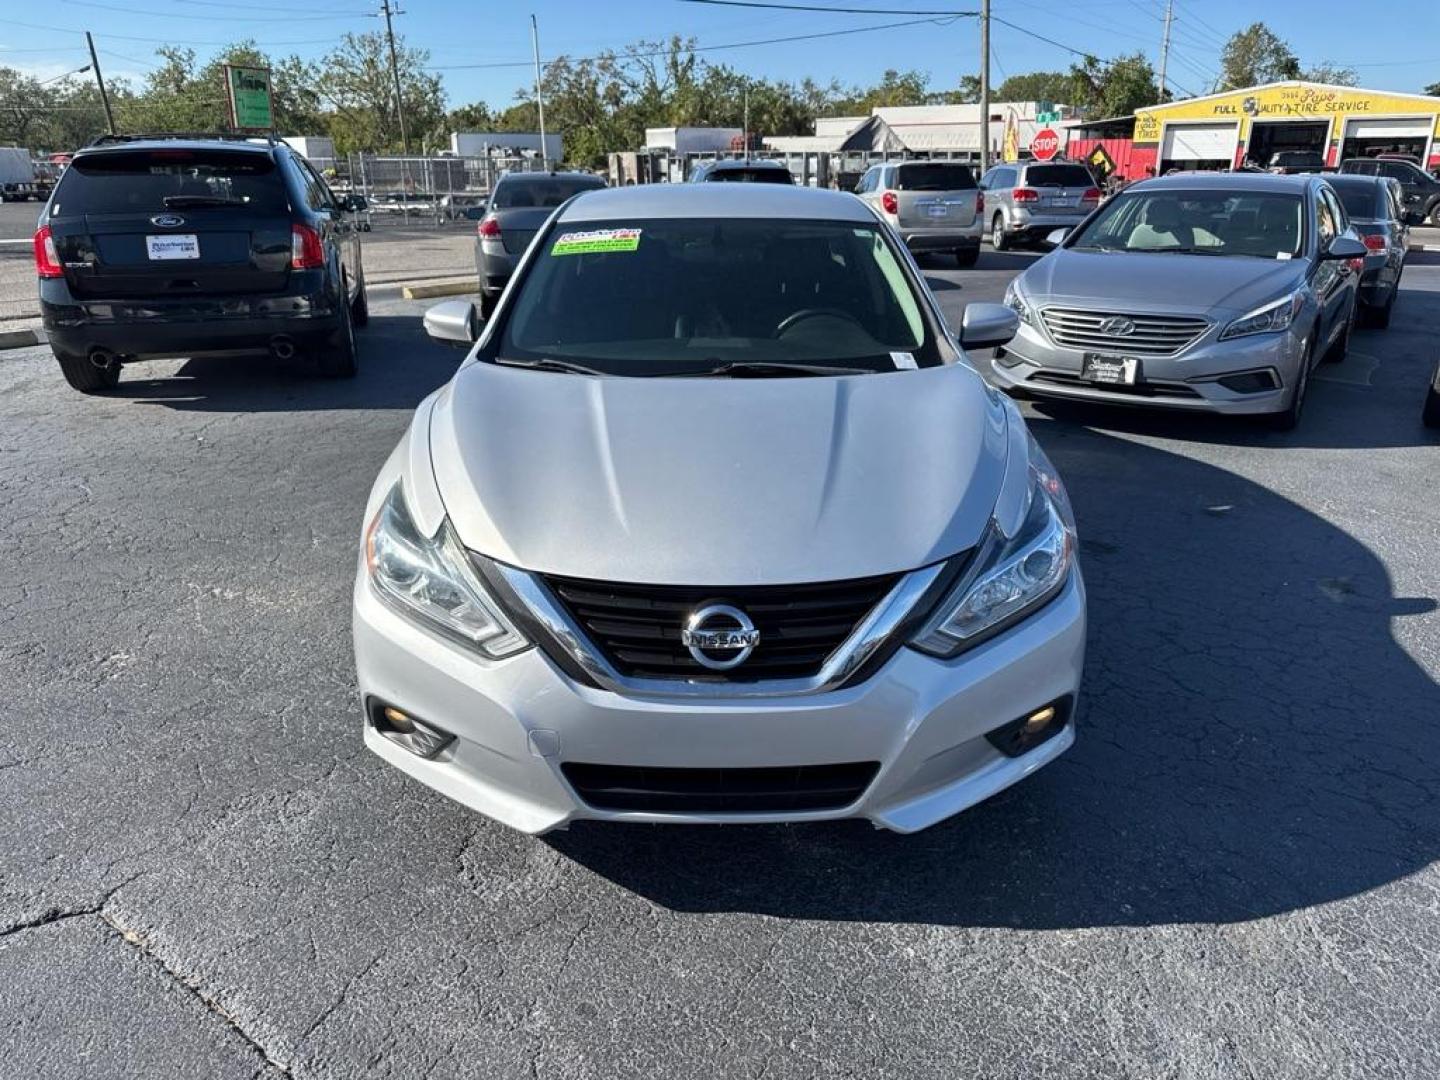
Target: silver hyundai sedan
1206	291
716	523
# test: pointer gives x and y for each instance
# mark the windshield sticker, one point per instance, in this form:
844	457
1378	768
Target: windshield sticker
1284	256
903	361
597	241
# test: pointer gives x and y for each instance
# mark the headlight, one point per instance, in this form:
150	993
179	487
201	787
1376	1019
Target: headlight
433	581
1268	319
1010	577
1015	301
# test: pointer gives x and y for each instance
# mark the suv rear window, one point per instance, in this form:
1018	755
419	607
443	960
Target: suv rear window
148	181
1058	176
934	176
747	175
549	191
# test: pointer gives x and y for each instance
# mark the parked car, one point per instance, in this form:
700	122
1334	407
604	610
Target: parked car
163	247
1027	201
1422	191
933	205
1216	292
741	171
711	526
1373	205
519	204
1295	162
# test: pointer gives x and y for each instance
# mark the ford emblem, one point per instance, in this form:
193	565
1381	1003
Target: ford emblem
167	221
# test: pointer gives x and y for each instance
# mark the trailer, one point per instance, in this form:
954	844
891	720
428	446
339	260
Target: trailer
17	175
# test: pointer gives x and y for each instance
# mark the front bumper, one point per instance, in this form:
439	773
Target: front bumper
924	720
1032	363
307	312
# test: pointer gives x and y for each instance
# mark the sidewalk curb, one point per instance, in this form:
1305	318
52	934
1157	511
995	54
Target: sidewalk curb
20	339
438	288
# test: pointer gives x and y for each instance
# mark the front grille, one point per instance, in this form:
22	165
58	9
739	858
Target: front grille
637	627
1144	389
1154	335
787	789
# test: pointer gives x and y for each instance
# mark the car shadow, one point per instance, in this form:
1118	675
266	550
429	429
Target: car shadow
399	366
1253	740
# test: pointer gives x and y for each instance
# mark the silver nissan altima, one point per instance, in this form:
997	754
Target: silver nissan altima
716	523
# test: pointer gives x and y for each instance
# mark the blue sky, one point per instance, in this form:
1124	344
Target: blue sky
460	33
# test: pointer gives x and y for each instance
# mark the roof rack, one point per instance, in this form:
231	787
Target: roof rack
149	136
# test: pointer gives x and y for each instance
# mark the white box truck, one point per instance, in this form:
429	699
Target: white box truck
17	175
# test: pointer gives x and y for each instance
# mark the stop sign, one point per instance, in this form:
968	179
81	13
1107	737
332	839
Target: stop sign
1045	145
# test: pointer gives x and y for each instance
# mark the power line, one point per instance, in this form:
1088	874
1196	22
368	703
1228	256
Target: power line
161	41
211	18
827	10
698	48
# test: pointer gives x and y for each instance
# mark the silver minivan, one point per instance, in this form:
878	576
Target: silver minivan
1028	200
933	205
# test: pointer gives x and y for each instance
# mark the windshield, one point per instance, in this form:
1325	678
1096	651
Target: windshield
148	181
934	177
549	191
1253	224
676	296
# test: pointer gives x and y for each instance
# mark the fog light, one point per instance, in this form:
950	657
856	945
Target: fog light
421	739
1029	731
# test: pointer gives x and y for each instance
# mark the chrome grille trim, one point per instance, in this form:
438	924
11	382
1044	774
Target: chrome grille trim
1154	335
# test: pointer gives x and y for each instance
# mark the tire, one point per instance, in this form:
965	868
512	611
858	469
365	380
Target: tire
1337	352
360	307
1289	417
1431	416
1378	318
967	257
487	303
337	357
1433	216
84	376
998	239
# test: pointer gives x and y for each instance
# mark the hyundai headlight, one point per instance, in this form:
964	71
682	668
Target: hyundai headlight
1015	301
1268	319
433	582
1010	577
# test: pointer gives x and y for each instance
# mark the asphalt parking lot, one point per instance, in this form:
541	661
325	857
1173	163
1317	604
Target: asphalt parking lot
204	874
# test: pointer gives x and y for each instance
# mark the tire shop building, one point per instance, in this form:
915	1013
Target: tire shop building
1224	131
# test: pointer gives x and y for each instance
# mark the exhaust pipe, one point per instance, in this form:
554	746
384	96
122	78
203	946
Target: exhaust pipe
281	347
103	359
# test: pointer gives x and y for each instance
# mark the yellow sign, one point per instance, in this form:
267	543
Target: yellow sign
1010	148
1285	101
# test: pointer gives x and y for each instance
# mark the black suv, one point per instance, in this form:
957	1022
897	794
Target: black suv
165	245
1422	191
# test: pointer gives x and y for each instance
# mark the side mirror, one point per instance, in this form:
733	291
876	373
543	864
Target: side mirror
1345	246
455	322
988	326
355	203
1056	238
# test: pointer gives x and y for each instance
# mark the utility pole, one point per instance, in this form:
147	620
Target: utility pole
539	94
100	82
395	73
984	85
1165	45
745	123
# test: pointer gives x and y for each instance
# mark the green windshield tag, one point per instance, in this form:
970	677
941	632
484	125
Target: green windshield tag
597	241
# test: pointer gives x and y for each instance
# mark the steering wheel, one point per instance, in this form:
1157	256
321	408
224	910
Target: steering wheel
805	314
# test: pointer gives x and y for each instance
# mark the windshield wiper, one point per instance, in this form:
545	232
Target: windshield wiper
549	363
762	369
202	200
1189	251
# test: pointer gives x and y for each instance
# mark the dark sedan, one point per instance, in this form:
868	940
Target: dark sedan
1373	204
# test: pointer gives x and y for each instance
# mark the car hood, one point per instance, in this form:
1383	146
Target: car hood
1156	282
718	481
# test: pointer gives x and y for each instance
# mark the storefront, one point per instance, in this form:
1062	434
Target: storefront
1223	131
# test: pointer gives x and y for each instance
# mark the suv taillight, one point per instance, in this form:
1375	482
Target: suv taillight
306	250
889	203
47	259
1024	194
1375	242
979	202
488	229
1091	195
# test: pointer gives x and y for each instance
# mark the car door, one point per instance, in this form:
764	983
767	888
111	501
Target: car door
865	189
1399	229
1330	276
344	228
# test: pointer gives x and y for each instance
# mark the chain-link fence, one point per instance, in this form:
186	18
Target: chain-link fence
421	190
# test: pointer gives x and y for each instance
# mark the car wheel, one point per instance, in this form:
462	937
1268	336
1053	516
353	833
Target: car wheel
360	307
1431	415
337	357
1434	216
1289	417
487	304
1336	353
1379	317
85	376
967	257
997	233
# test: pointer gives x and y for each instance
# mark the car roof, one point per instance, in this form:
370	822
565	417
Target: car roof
1236	181
725	164
536	177
1357	180
177	144
781	201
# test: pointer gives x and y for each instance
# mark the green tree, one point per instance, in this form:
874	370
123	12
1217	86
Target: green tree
1114	88
1051	86
1255	56
355	83
1433	89
1333	74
